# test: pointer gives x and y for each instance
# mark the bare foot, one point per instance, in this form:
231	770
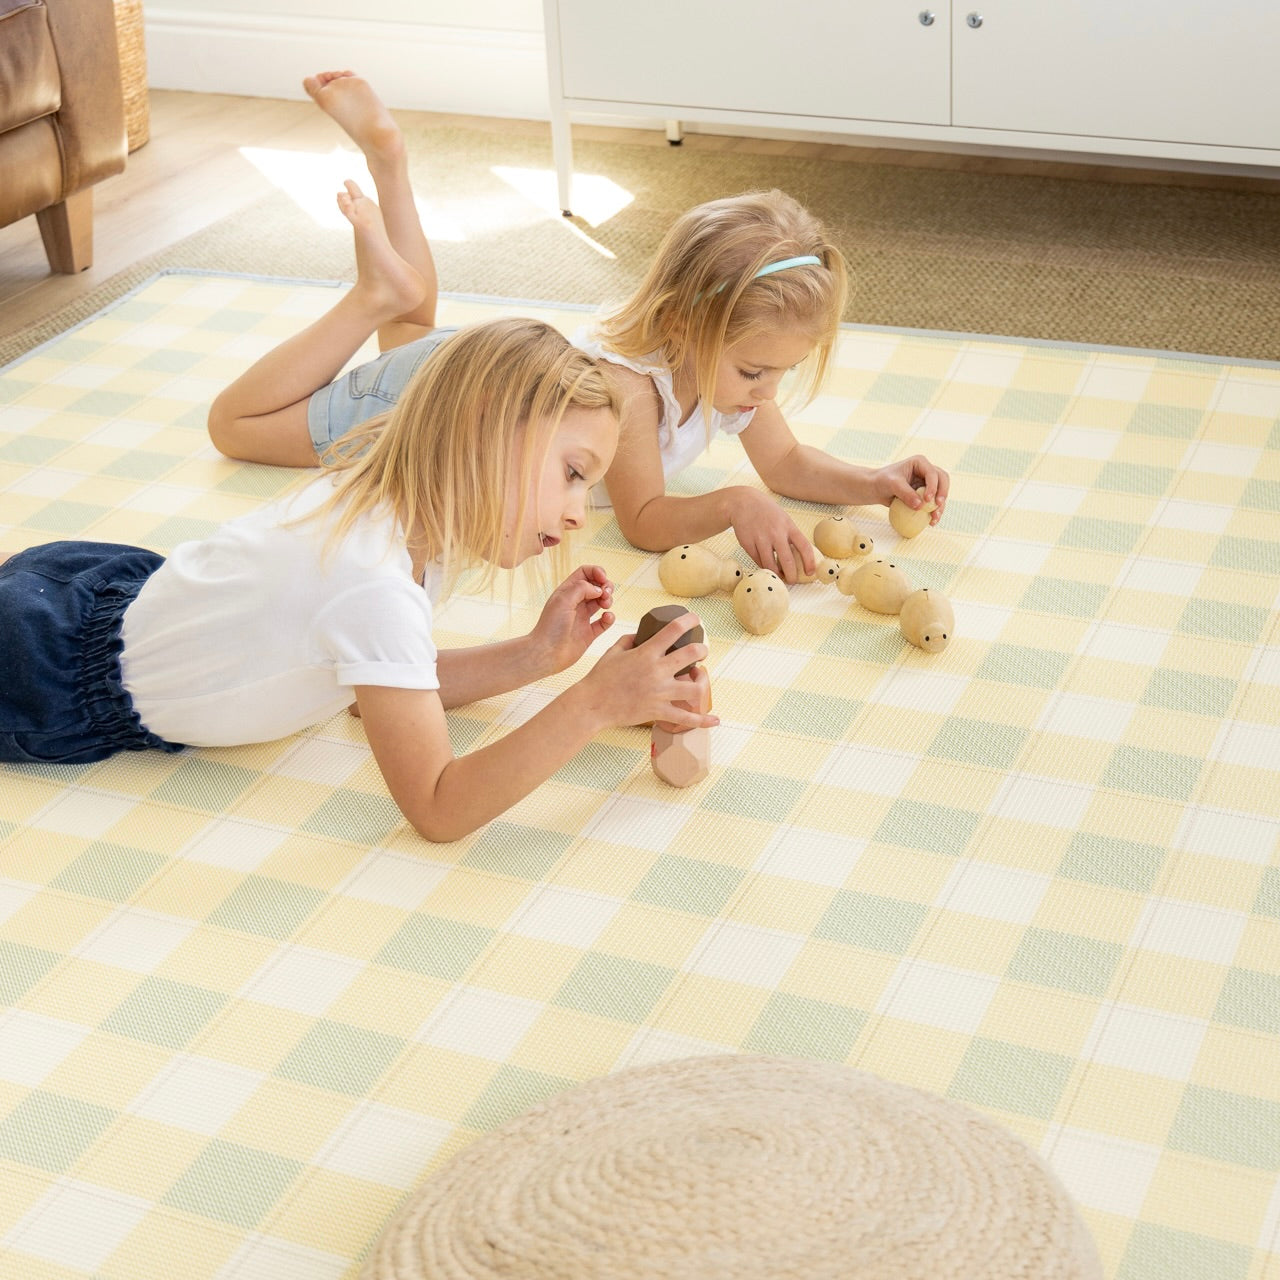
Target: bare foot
351	102
390	286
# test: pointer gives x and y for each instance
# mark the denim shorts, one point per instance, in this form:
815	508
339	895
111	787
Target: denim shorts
367	390
62	698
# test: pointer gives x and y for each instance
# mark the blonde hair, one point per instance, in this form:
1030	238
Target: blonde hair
703	292
440	459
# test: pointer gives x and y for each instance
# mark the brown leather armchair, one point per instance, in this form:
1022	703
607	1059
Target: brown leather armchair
61	119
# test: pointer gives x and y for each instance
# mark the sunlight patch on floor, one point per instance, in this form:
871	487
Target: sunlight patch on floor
312	181
596	198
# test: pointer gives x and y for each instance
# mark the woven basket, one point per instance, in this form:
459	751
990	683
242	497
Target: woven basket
133	71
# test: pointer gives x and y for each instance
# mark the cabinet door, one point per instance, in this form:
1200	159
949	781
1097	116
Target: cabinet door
1194	71
847	59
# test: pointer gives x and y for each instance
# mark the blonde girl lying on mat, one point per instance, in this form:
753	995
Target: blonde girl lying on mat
741	290
277	620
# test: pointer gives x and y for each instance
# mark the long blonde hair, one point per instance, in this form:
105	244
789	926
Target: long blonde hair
703	291
439	461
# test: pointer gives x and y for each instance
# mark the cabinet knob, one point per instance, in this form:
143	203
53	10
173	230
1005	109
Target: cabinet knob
927	17
974	20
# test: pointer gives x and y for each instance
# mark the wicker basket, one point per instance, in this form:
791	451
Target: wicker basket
133	71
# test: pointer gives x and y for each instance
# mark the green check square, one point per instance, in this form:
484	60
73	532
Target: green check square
31	450
1031	406
1250	998
21	967
141	466
1267	903
601	766
815	715
1189	691
1162	1253
614	987
934	828
748	794
357	816
979	742
1153	773
511	1092
805	1028
111	871
987	460
65	517
1227	1126
1088	533
1021	664
1060	596
514	850
161	1011
1065	961
340	1058
232	1183
435	946
200	783
99	403
688	884
1122	864
267	906
1011	1077
1251	555
1222	620
862	446
1135	477
969	517
902	388
1168	420
51	1131
871	922
1261	495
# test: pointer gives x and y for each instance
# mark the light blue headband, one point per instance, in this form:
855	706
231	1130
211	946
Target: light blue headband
807	260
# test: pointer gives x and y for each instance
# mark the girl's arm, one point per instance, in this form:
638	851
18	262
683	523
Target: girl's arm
807	474
576	614
654	520
446	797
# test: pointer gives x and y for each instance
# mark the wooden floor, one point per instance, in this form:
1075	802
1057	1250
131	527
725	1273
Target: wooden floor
191	173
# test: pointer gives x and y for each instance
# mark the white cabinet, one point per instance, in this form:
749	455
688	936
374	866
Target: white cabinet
1189	79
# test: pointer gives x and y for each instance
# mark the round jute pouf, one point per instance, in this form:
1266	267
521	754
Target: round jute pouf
740	1168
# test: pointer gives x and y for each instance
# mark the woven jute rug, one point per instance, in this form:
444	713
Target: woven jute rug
740	1167
1130	265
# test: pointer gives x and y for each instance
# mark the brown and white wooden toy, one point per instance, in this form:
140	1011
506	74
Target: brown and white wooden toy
838	538
760	601
680	757
927	620
695	570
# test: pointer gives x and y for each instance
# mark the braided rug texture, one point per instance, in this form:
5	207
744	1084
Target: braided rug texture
743	1167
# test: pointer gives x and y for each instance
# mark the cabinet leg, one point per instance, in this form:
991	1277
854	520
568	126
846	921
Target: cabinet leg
562	153
675	134
67	232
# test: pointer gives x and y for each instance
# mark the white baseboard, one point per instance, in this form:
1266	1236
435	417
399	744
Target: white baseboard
468	71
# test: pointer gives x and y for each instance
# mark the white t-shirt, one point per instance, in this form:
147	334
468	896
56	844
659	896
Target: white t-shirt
679	443
250	634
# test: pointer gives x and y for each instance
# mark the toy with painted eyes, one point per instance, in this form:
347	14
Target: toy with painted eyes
760	601
878	585
695	570
838	538
927	620
909	521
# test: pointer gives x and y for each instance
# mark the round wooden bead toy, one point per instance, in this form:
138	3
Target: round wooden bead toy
760	601
826	571
878	585
909	521
927	620
694	570
838	538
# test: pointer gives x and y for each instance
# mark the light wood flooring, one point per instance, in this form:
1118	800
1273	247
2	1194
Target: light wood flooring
191	173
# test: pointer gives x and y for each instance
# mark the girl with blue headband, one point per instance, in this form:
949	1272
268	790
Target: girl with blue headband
741	291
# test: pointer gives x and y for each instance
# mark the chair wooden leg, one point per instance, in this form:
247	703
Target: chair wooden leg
67	232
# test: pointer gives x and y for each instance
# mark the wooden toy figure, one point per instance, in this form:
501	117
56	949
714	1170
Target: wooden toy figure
910	521
695	570
826	571
838	538
680	757
760	601
878	585
927	620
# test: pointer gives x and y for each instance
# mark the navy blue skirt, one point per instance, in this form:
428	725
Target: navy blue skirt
62	699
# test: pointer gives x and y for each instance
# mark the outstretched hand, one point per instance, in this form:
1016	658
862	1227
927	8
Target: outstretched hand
576	614
915	480
770	536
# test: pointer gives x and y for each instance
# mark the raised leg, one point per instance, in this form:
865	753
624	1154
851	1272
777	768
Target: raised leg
67	232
